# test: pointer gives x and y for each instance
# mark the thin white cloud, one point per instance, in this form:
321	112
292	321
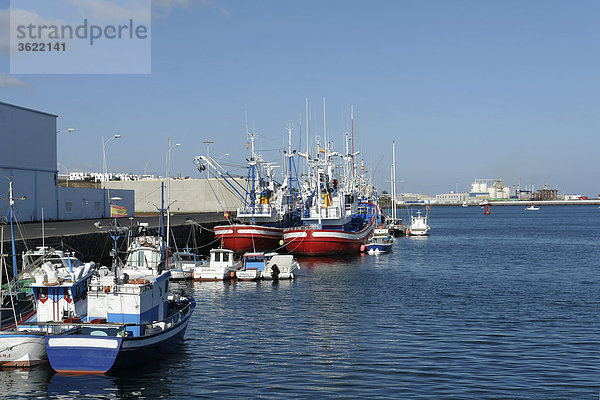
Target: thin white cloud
162	7
225	12
10	81
105	10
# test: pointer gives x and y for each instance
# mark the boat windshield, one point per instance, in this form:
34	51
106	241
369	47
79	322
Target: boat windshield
145	258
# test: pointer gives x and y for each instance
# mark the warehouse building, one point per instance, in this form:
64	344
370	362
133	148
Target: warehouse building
28	159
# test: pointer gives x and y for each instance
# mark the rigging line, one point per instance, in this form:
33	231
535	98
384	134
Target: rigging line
209	244
103	249
174	241
148	195
215	194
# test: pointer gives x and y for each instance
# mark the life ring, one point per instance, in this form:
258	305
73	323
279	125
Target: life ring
106	289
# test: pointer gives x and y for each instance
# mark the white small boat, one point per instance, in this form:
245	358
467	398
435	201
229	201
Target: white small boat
532	207
253	265
465	204
182	264
269	266
418	225
221	266
280	266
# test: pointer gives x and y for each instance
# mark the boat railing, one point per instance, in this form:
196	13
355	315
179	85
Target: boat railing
261	210
54	327
332	212
168	322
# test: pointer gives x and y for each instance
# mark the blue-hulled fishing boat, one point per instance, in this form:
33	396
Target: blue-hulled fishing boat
380	242
131	316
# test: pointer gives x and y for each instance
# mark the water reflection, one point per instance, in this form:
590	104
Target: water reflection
25	383
62	386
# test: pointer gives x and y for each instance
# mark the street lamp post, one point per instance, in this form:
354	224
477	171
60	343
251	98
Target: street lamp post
168	177
145	169
66	170
104	143
104	171
208	143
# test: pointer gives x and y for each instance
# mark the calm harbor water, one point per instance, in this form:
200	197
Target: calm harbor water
498	306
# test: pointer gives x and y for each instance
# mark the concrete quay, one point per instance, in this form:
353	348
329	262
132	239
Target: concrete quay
92	244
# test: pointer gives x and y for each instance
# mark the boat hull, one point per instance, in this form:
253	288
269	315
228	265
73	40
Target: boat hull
21	349
245	238
89	354
213	274
324	242
378	248
248	275
180	274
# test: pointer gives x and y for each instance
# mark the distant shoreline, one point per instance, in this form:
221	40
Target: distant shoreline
590	202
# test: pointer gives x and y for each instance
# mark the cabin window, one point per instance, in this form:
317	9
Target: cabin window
97	205
217	256
225	257
68	206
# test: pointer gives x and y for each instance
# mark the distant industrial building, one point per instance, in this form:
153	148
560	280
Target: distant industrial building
545	194
28	160
452	197
490	189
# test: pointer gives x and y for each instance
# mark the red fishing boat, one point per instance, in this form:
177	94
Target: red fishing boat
243	238
267	206
312	241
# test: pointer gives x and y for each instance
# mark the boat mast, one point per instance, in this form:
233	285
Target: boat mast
162	217
2	264
394	182
325	130
252	175
11	202
307	142
289	156
352	129
167	175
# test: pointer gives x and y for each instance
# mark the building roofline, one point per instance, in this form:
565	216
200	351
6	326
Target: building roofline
28	109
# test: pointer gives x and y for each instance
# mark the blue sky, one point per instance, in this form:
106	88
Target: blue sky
467	89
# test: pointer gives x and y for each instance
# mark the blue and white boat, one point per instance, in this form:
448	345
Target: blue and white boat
59	288
268	266
131	318
253	265
380	242
60	292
